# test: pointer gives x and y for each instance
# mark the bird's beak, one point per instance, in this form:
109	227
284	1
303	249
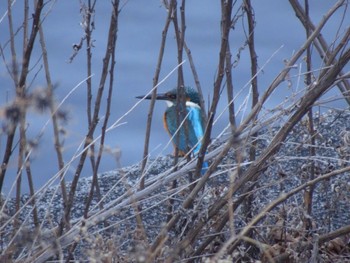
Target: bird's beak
148	97
158	97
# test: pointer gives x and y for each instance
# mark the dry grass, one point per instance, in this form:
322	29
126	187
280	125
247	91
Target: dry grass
276	187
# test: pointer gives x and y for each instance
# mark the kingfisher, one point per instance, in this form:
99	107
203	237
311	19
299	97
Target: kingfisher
191	132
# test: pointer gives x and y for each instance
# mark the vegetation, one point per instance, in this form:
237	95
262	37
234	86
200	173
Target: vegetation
269	175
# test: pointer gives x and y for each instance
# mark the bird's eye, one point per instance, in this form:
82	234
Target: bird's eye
172	96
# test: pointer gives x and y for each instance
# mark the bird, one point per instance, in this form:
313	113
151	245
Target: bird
187	138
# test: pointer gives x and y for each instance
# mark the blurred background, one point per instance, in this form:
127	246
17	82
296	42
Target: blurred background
278	34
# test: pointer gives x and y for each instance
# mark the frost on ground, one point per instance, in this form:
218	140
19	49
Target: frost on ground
118	235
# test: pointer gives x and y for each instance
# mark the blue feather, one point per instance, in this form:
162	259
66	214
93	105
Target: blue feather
186	140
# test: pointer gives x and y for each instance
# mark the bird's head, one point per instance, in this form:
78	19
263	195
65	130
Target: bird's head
171	95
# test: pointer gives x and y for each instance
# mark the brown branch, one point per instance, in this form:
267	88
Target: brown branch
197	82
282	75
229	88
104	128
14	72
180	98
321	44
308	245
254	68
31	190
21	105
226	26
283	197
110	49
179	36
50	98
20	85
315	91
247	203
308	195
95	163
152	103
188	202
254	170
89	27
